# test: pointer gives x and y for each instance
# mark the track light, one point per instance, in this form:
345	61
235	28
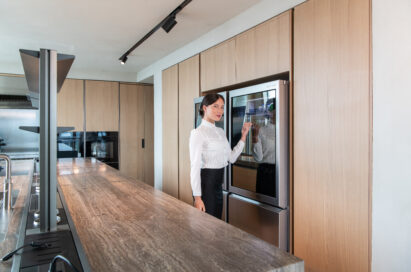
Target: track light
123	60
169	24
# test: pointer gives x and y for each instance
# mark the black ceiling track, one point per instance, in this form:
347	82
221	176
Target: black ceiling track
167	23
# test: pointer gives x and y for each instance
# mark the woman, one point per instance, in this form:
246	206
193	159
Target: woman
209	154
264	152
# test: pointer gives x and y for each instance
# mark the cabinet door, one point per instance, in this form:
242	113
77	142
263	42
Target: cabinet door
70	107
148	134
218	66
102	107
332	135
131	131
265	49
189	87
136	125
170	130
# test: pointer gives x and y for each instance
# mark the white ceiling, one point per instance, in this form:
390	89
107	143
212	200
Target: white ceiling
98	32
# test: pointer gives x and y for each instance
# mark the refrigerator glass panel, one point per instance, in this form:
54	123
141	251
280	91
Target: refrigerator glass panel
254	170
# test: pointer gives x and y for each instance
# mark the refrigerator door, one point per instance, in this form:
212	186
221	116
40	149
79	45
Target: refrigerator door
266	222
261	171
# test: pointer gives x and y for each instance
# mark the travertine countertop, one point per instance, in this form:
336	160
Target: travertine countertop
126	225
21	182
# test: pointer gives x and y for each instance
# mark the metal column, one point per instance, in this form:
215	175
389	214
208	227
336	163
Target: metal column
48	139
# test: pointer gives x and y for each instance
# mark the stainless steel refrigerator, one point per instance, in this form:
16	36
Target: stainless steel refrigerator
256	186
258	182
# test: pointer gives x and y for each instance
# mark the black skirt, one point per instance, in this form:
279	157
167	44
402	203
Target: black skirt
266	179
212	191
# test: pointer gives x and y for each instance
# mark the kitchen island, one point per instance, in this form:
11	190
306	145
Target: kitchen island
127	225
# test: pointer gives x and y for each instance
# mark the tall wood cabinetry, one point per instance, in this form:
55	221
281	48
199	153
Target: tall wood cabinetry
102	105
70	105
332	135
188	89
181	84
136	132
265	49
218	66
170	130
261	51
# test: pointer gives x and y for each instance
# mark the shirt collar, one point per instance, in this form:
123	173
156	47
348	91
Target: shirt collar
206	123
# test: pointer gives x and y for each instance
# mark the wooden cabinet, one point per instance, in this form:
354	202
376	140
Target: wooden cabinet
149	135
102	105
188	88
262	51
332	135
265	49
218	66
170	130
70	107
136	126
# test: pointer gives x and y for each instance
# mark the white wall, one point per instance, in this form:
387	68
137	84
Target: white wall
391	199
253	16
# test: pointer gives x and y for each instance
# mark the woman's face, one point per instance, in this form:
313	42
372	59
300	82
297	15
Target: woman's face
215	111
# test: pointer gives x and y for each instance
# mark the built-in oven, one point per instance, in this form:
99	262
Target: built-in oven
70	144
103	145
261	171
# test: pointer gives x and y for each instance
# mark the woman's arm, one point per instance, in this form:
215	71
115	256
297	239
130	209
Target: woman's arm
257	147
240	145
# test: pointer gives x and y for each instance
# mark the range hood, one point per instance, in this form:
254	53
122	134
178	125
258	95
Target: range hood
15	102
31	66
14	93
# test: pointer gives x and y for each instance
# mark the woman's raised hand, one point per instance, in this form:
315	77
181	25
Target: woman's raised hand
244	130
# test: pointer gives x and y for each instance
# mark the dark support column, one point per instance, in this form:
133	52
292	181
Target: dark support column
48	139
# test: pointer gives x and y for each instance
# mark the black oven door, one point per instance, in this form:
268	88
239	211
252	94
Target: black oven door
103	146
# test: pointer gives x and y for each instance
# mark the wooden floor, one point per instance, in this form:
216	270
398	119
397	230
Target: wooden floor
126	225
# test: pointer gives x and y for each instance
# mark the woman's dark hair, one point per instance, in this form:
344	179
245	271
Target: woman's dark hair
208	100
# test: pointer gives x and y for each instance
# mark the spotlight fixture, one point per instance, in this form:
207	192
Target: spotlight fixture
123	60
167	24
170	23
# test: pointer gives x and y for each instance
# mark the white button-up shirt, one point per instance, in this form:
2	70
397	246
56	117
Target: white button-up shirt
209	148
264	149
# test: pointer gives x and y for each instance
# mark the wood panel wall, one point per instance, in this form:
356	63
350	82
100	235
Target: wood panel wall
189	88
70	108
102	105
170	130
332	134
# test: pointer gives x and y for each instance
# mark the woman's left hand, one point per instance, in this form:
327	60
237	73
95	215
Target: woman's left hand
244	130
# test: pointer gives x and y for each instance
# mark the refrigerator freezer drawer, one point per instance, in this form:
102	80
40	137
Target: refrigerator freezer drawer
266	222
